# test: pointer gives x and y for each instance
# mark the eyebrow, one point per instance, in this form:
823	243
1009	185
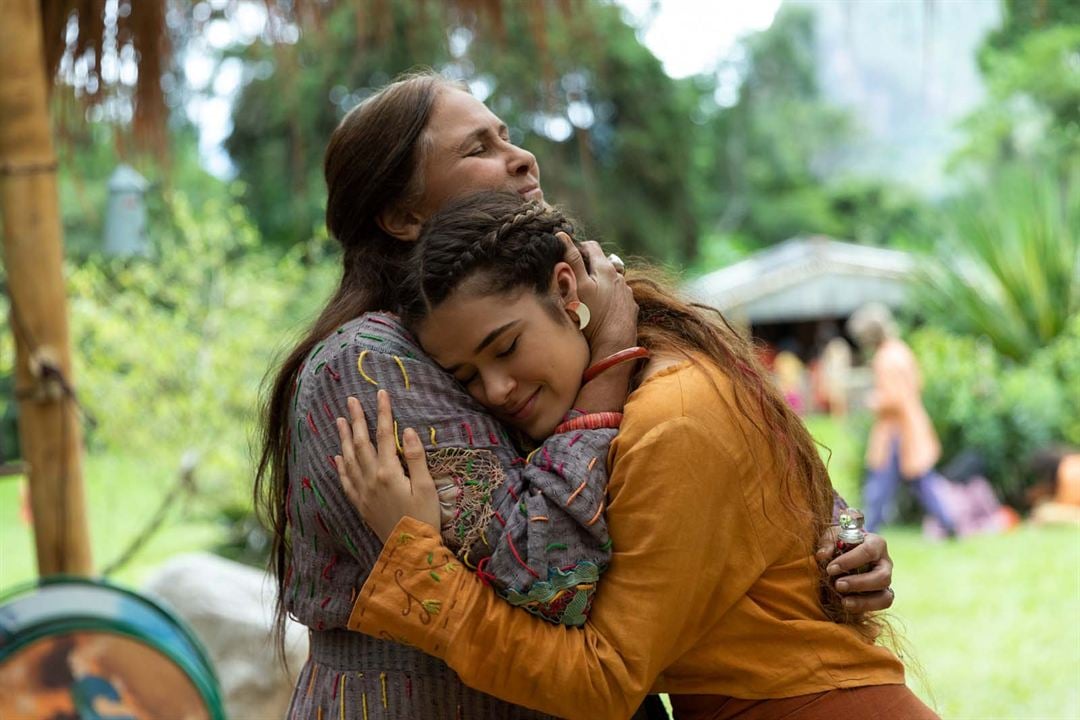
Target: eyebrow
488	339
479	133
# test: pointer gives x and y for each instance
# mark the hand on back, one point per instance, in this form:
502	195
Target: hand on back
372	477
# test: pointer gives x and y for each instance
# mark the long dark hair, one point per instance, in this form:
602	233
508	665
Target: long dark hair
495	243
371	163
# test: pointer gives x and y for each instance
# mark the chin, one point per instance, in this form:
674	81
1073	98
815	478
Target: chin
541	429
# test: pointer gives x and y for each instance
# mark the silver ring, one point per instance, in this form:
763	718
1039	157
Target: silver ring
620	266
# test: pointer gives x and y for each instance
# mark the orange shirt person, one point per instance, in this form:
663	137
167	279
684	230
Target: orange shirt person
716	499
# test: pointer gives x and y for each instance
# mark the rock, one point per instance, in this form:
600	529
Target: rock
230	607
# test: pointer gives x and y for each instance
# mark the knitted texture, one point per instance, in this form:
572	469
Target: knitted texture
532	522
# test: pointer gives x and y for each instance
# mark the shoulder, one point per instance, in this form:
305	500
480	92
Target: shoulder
379	332
682	401
373	333
679	388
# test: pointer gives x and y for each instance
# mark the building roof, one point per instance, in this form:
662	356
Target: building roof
806	278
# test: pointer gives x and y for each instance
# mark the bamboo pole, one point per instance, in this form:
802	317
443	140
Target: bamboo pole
49	430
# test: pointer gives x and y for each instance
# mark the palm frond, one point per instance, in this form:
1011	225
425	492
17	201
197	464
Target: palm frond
1010	268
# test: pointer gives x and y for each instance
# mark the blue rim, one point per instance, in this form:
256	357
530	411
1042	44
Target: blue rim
199	671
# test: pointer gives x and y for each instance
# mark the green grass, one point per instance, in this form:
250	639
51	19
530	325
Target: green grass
991	624
993	621
122	494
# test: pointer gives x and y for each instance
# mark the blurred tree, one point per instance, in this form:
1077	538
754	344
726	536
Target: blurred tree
578	89
762	179
1009	270
1031	66
763	150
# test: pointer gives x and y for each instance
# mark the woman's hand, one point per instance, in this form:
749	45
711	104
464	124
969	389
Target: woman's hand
613	325
866	591
373	478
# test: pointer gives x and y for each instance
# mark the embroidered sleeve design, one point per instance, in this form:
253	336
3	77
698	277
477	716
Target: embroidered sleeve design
465	479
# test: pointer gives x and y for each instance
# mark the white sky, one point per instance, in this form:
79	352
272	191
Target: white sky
691	36
688	36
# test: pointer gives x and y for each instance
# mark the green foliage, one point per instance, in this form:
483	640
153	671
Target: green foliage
761	161
1032	71
757	155
979	399
170	353
1010	270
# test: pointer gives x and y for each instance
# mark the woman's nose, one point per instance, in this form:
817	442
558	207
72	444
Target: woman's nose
498	388
520	161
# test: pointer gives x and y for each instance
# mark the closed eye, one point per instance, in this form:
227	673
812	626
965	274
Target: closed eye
508	351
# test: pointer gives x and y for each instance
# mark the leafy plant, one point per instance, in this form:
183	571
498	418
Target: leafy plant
1005	410
1010	268
170	352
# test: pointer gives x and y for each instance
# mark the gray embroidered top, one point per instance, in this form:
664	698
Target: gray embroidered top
489	491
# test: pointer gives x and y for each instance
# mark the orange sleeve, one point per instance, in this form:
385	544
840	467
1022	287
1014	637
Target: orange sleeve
676	502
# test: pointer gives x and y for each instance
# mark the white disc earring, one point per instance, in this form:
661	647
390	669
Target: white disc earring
580	311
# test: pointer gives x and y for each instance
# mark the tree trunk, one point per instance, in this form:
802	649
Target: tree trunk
49	430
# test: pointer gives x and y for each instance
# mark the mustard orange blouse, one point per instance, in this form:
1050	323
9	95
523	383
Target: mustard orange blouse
710	589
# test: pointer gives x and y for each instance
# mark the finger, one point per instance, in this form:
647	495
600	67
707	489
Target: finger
348	457
827	544
869	602
572	256
352	492
416	462
852	559
384	432
425	497
361	439
599	265
878	578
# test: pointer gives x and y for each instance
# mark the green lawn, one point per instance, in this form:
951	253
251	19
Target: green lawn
122	494
993	622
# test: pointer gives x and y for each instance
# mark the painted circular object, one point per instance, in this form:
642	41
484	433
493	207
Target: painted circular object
77	648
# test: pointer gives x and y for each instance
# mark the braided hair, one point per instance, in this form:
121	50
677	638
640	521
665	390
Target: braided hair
492	241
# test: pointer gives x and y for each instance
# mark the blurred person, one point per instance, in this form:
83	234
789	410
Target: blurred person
390	164
903	445
791	379
1055	495
968	498
717	499
834	369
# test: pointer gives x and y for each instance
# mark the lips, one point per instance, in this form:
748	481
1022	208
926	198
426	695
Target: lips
525	409
532	192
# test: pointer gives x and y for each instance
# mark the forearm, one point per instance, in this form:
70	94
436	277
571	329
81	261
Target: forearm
659	594
416	595
607	391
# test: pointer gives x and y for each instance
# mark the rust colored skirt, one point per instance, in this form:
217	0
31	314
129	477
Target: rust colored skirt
873	702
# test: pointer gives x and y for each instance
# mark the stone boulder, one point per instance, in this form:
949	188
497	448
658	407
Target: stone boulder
230	607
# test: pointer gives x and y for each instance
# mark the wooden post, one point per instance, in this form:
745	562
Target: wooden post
49	430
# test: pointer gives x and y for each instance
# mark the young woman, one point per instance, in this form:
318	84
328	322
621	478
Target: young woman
390	164
717	499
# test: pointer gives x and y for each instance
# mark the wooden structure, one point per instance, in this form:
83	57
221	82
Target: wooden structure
49	430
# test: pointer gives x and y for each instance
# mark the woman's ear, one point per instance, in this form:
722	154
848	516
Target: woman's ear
564	284
401	223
